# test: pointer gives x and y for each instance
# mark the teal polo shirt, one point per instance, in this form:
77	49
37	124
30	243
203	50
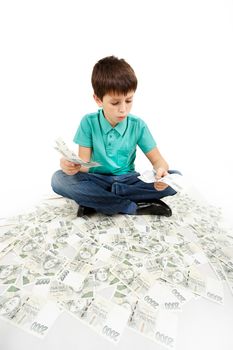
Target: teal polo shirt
113	147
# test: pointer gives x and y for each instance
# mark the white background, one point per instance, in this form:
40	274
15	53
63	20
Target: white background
182	53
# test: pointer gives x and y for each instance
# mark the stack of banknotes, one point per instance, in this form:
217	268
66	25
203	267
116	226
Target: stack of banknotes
70	155
112	272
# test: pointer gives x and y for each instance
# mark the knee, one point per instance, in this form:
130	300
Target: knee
57	180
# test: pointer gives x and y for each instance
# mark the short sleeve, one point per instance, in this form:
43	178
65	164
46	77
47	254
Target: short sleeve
145	139
83	135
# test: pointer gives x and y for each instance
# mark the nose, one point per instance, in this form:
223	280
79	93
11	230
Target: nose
122	107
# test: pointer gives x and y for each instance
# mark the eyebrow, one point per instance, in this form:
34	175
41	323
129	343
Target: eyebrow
118	99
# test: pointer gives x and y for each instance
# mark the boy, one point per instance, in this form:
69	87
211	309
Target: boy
110	137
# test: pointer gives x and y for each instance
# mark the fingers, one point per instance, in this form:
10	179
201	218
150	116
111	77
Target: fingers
66	163
160	186
68	167
160	172
71	172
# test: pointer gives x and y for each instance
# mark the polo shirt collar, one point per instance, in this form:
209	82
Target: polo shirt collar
106	126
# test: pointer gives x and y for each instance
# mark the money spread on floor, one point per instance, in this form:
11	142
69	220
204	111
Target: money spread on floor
52	261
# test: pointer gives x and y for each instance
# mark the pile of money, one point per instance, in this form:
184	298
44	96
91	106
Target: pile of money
113	272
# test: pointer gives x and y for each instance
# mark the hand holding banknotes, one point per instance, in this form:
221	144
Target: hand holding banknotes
162	179
70	163
159	173
68	167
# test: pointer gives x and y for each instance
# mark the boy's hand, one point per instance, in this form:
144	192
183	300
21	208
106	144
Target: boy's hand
68	167
160	186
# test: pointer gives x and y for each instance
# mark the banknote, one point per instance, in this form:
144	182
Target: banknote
7	237
62	148
74	273
157	248
59	233
192	279
106	318
139	222
39	235
159	296
228	273
74	239
214	242
109	255
177	236
181	294
28	275
77	307
190	253
41	287
96	225
27	247
173	180
157	325
37	315
123	289
8	248
61	292
166	329
103	277
10	274
28	312
155	265
117	256
225	254
218	246
9	234
99	222
135	258
86	248
216	266
143	319
47	264
11	301
137	279
117	240
124	297
105	256
86	226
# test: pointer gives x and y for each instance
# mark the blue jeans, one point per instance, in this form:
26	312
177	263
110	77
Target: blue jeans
108	194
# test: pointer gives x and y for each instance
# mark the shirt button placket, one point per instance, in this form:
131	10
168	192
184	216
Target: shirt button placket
110	143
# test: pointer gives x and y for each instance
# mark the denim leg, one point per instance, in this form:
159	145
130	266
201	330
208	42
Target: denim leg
139	191
92	190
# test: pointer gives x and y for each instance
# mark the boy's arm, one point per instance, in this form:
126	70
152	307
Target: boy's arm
160	166
85	154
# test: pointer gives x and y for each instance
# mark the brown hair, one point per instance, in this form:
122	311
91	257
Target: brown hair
113	75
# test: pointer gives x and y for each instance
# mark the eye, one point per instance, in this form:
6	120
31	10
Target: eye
129	101
114	103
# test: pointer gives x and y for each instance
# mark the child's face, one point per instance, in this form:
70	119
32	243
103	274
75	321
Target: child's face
115	107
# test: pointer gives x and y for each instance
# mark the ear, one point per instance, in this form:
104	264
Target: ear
98	100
